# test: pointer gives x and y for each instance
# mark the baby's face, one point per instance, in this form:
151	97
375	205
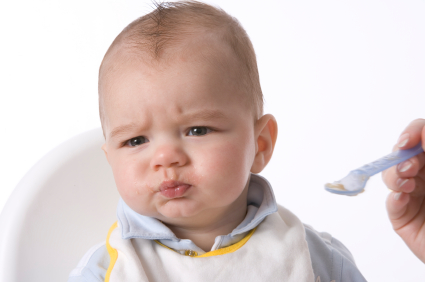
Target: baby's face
178	139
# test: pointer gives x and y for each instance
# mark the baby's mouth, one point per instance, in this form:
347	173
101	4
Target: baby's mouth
173	189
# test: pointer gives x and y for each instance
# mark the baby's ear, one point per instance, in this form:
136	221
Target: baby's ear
265	131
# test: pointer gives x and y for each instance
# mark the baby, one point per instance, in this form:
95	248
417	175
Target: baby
181	111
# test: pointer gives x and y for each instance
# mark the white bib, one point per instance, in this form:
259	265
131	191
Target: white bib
276	251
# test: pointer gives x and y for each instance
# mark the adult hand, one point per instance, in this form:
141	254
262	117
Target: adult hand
406	203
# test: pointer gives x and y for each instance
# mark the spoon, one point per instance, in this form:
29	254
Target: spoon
355	181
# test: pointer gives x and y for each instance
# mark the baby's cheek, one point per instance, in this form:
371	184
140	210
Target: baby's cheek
126	179
228	164
132	194
236	156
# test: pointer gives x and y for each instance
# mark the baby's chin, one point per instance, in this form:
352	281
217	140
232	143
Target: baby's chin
178	208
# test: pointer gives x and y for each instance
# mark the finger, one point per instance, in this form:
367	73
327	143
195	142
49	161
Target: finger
411	167
408	183
405	185
413	180
398	176
404	209
397	207
413	133
406	213
419	187
396	183
390	176
421	173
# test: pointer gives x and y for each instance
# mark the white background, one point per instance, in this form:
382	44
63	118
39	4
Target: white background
343	78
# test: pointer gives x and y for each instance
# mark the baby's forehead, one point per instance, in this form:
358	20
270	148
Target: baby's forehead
192	57
199	51
206	46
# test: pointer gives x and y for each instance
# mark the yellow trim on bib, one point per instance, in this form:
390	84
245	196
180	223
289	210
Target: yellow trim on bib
113	254
222	251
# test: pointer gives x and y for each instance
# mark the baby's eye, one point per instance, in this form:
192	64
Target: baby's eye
136	141
198	131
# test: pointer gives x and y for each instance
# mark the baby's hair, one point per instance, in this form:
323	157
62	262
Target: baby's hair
173	22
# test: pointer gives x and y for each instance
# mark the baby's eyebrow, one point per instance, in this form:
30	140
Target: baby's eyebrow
205	115
119	130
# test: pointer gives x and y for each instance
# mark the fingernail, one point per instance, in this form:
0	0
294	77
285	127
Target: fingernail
403	139
397	196
404	166
401	182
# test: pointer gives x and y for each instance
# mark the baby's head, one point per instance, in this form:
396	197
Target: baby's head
181	110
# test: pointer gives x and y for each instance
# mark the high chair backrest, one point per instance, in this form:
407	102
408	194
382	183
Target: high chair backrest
64	205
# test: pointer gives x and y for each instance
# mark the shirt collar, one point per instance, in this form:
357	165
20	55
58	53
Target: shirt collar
261	202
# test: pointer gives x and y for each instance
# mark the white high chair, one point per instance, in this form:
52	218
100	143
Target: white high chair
64	205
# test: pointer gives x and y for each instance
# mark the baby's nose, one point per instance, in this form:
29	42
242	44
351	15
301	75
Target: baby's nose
168	156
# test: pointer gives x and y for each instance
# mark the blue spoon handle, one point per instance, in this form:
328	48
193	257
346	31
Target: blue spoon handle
390	160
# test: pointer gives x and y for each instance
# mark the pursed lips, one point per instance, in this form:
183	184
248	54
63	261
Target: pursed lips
173	189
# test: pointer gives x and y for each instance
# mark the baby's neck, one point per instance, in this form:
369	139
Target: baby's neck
204	235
